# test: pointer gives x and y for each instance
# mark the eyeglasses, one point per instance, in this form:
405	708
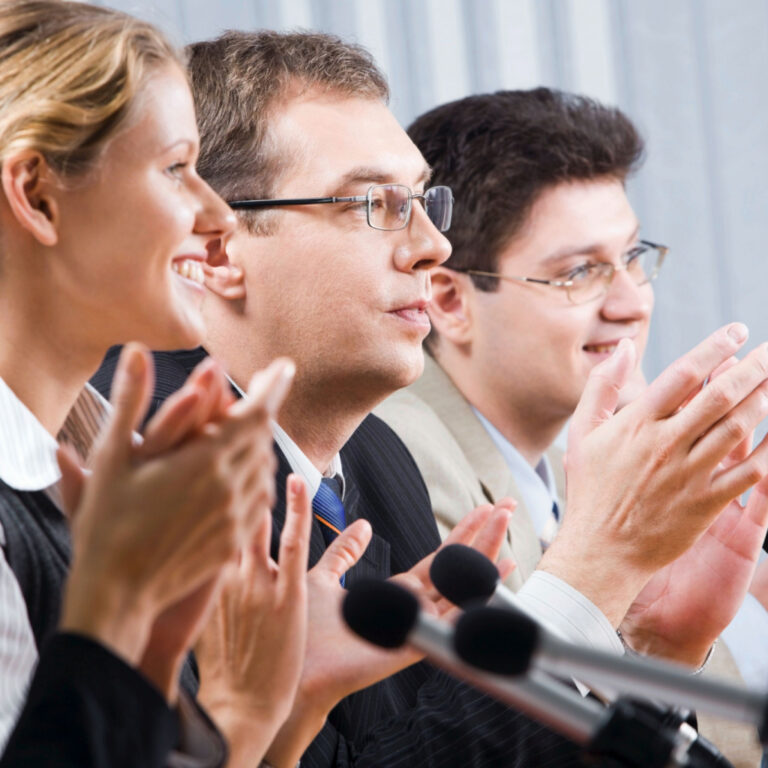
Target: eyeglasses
388	205
587	282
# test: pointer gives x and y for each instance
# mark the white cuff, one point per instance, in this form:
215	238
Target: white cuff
568	613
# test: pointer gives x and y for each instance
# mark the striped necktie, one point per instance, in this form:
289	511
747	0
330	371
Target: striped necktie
329	511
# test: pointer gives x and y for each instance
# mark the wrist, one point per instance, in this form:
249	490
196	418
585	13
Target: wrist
692	654
595	576
302	725
99	609
249	730
163	673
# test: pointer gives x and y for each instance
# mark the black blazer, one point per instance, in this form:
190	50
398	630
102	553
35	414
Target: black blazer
87	708
420	716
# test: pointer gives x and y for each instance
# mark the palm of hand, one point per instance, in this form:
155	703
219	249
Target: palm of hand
687	604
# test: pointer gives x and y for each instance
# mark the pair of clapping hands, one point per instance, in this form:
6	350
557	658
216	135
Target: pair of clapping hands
160	527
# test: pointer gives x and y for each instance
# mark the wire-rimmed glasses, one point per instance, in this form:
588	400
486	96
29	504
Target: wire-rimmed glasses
388	205
590	281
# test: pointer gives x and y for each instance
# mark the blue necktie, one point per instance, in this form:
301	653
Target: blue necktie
329	510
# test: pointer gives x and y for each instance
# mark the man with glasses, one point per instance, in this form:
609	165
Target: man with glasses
331	266
548	273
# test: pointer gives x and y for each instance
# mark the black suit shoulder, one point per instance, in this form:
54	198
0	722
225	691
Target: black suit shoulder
171	371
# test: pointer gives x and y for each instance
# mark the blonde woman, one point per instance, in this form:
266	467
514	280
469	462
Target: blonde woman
104	229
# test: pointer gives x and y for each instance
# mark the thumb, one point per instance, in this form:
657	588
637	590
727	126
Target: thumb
72	479
131	390
345	550
601	394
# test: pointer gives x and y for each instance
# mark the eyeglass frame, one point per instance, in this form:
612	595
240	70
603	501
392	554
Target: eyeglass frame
662	251
366	198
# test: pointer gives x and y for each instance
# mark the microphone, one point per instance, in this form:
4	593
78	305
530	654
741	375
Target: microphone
389	616
466	576
504	640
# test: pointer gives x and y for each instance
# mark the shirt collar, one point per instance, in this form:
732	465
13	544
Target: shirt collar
536	485
28	450
298	460
301	465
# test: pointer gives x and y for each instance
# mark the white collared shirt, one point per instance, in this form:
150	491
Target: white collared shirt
301	465
536	485
28	463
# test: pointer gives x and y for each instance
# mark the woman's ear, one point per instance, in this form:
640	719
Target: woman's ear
222	277
450	310
27	182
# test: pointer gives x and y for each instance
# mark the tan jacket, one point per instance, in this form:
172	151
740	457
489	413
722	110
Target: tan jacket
460	463
463	468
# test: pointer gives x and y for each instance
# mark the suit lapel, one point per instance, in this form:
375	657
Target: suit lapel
375	559
436	388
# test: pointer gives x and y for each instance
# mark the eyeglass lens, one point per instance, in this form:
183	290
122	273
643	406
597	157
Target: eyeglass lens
438	202
389	206
642	266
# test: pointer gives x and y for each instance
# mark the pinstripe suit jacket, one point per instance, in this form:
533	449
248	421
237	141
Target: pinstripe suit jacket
421	716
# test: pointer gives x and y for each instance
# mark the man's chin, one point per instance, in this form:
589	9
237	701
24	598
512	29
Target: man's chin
404	370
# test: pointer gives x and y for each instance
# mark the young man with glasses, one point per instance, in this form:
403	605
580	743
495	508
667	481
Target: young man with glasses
342	286
548	273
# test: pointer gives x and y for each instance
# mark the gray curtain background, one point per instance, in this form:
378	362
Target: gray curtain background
690	73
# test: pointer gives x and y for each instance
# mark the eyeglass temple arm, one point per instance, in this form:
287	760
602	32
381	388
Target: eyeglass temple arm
295	201
480	273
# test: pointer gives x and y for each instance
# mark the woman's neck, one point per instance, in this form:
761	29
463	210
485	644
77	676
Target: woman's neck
43	368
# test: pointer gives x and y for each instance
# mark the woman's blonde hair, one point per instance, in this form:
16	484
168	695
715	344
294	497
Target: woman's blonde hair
69	74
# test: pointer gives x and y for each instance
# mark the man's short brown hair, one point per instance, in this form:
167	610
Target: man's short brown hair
238	78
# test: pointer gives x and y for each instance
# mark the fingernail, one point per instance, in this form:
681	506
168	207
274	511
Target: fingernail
280	388
294	484
738	332
134	367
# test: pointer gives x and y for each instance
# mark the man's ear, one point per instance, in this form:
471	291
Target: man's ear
450	310
222	277
26	179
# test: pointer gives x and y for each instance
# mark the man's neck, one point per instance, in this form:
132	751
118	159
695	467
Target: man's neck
319	414
320	426
531	428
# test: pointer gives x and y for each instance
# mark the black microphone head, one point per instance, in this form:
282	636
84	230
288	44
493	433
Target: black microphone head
498	640
463	575
380	612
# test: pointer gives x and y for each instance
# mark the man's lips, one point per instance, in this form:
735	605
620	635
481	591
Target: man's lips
604	347
415	313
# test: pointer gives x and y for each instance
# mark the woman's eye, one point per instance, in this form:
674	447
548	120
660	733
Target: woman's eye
176	170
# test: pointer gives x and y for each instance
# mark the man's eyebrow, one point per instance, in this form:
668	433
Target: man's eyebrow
373	175
584	249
